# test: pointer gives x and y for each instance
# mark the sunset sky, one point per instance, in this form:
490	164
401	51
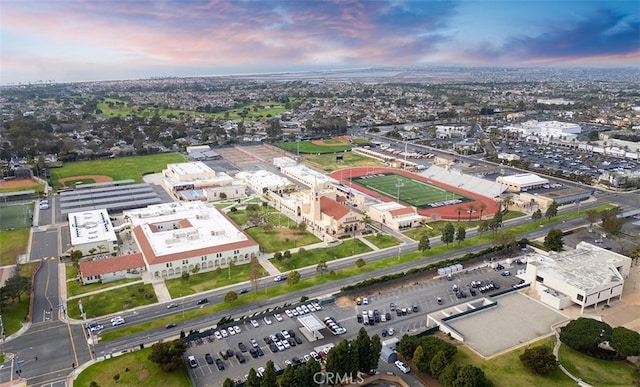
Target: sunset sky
86	40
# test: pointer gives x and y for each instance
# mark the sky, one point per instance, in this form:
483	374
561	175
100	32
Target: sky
91	40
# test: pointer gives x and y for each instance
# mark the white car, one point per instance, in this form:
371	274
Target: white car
317	306
255	323
285	334
218	335
277	317
280	346
403	367
267	320
237	329
295	312
306	358
311	308
192	362
260	371
117	321
304	308
231	331
300	310
288	313
224	333
365	301
391	331
286	344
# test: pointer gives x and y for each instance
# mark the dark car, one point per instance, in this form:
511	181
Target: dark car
223	355
414	308
202	301
253	353
267	340
298	340
291	333
243	348
387	316
398	312
292	341
219	364
229	352
472	291
240	357
359	318
243	291
384	333
208	358
259	351
273	348
171	325
279	336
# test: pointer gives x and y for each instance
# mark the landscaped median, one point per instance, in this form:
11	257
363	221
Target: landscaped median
112	301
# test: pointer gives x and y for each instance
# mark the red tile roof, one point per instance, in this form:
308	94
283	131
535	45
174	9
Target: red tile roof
332	208
402	211
111	265
153	259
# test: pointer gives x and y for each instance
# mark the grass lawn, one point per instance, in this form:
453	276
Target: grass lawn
594	371
134	369
507	370
122	168
327	162
12	244
75	287
208	280
281	238
382	241
14	313
329	146
112	301
311	257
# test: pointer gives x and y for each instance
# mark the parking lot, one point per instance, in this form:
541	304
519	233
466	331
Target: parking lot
422	294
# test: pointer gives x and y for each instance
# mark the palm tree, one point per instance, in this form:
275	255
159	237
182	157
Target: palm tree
459	208
507	201
471	209
483	207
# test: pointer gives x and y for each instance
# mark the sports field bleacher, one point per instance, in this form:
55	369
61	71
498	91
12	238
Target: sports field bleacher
404	189
486	188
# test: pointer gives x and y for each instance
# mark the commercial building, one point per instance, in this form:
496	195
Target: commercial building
587	276
197	181
188	236
522	182
394	215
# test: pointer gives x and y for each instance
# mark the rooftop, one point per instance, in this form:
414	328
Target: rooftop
90	226
111	265
524	178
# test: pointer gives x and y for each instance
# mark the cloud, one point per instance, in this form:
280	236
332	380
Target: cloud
606	34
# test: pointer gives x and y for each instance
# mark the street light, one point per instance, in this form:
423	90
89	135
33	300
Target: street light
399	251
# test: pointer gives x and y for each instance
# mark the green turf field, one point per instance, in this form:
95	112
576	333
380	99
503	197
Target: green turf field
16	217
331	146
412	192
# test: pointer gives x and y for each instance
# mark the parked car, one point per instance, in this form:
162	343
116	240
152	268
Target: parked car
240	357
267	320
217	335
254	343
220	364
208	358
243	348
192	361
277	316
403	367
255	323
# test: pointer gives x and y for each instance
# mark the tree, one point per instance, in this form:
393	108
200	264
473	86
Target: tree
407	346
611	223
168	354
448	233
267	227
185	276
539	359
459	210
484	226
288	378
75	259
322	267
553	240
448	375
360	263
438	363
625	341
361	346
228	383
196	269
293	277
230	296
472	376
592	216
585	334
418	357
472	208
461	234
537	215
496	222
506	240
483	207
424	244
269	377
15	286
254	272
551	211
302	227
339	358
252	379
374	354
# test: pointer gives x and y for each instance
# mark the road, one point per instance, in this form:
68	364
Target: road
59	346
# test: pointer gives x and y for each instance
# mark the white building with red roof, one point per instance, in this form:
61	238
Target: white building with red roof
394	215
112	268
178	237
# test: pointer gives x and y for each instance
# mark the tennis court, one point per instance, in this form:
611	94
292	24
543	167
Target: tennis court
404	189
16	216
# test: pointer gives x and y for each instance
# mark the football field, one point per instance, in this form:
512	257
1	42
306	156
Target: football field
409	191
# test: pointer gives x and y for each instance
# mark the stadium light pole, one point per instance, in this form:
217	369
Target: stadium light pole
398	185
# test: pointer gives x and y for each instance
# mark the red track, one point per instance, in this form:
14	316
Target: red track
445	212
